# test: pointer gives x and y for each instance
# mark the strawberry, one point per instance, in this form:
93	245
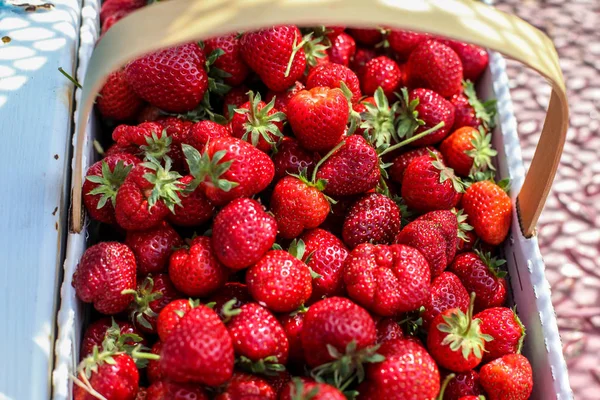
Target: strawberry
110	375
331	326
202	132
446	292
233	99
361	57
257	122
470	111
474	59
171	314
153	247
97	332
304	388
147	195
149	113
173	79
381	72
325	255
110	7
318	117
238	292
153	371
163	390
387	280
455	340
374	218
404	42
480	274
468	150
117	100
279	281
429	239
283	98
196	271
291	158
229	169
342	49
275	54
102	182
507	378
502	324
258	339
407	369
447	221
292	326
198	350
194	208
424	110
352	169
147	138
298	204
367	36
429	185
490	211
242	233
104	271
178	130
152	295
278	380
230	61
399	164
332	76
435	66
243	386
463	385
388	329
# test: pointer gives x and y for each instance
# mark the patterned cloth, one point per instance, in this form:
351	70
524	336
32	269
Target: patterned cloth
569	228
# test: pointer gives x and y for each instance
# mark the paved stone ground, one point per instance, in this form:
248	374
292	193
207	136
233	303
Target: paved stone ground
569	229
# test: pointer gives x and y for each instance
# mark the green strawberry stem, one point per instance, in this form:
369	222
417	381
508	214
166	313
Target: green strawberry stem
229	311
322	160
296	47
85	384
141	302
412	139
444	385
523	333
70	77
136	354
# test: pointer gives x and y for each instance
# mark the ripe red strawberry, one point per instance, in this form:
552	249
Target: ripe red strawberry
147	138
258	339
325	255
243	386
298	204
152	295
153	247
230	168
153	371
335	322
424	110
304	388
374	218
242	233
361	57
474	59
292	325
388	329
490	211
480	274
163	390
404	42
104	271
381	72
171	314
463	385
198	350
429	185
233	99
238	292
318	117
455	340
387	280
332	76
406	363
468	150
367	36
230	61
117	100
173	79
275	54
278	380
399	164
342	49
147	196
507	378
102	181
202	132
178	130
110	7
352	169
446	292
428	238
435	66
291	158
502	324
279	281
258	123
283	98
194	208
196	271
447	221
470	111
113	376
97	331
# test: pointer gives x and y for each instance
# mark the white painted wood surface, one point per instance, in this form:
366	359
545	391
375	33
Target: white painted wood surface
35	129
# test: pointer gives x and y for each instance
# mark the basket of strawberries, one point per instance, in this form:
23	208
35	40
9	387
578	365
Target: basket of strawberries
307	200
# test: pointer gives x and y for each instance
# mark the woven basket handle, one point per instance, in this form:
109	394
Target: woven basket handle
170	23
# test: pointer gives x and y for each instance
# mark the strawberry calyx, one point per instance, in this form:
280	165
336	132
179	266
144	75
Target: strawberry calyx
265	366
486	111
157	147
140	307
444	385
384	148
216	75
412	321
493	263
482	152
463	226
408	119
348	367
523	331
229	311
166	184
259	123
193	304
295	48
314	48
109	182
297	391
447	173
298	250
463	332
379	120
301	310
206	169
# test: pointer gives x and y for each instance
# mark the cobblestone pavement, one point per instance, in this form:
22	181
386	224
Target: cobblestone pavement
569	228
